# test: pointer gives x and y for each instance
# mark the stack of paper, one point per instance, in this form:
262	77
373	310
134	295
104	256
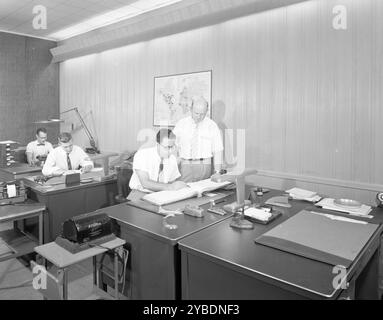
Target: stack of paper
258	214
302	194
195	189
328	203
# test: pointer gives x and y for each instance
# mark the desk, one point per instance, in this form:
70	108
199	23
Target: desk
225	263
19	243
63	202
63	259
18	171
154	260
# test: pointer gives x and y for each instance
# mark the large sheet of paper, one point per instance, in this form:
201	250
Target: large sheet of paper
195	188
318	237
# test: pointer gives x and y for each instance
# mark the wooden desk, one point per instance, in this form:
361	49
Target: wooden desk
19	171
19	242
154	260
63	202
63	259
225	263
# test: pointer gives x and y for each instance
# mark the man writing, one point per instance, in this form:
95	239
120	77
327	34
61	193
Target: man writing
37	151
200	143
66	158
155	168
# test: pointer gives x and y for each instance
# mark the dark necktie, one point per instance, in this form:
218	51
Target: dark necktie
68	161
160	169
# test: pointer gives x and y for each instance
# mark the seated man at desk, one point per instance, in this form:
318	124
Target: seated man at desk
155	168
66	158
37	151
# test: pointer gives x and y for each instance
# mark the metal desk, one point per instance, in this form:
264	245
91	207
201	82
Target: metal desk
18	171
154	260
18	242
225	263
63	202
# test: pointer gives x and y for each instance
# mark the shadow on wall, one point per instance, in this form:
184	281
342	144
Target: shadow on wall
218	115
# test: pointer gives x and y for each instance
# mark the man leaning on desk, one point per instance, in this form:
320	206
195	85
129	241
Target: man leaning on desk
155	168
37	151
199	142
66	158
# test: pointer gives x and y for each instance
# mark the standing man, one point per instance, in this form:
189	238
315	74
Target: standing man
156	168
66	158
37	151
199	142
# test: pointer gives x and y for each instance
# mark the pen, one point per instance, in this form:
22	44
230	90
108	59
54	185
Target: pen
219	201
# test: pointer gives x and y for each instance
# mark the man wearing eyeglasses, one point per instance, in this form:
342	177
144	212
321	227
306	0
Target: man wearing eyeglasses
155	168
200	143
66	158
37	151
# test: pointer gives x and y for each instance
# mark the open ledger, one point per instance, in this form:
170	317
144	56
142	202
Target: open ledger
195	188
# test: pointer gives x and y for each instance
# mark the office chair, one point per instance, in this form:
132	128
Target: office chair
124	173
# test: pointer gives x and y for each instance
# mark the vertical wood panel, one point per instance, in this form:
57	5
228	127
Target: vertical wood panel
309	96
29	89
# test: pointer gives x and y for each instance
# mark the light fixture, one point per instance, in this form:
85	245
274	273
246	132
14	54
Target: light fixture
102	20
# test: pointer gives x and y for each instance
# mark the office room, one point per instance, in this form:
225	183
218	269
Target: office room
191	150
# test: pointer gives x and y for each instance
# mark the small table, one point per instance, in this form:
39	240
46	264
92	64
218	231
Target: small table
63	259
19	242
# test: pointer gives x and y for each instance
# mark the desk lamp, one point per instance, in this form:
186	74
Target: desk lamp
238	207
93	147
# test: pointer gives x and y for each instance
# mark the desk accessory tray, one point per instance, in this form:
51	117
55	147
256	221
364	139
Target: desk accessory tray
274	215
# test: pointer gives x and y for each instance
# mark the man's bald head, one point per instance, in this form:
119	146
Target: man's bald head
199	109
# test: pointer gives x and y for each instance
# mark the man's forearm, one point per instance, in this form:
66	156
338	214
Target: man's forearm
154	186
29	158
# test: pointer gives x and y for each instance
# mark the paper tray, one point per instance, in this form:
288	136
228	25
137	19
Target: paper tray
274	215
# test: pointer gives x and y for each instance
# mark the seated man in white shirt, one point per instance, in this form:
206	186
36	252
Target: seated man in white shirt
66	158
37	151
155	168
199	142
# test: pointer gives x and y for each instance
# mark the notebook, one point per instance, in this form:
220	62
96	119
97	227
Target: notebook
318	237
194	189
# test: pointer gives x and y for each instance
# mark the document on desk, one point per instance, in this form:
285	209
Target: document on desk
320	237
195	188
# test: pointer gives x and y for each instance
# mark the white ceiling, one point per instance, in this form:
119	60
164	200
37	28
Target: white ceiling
16	16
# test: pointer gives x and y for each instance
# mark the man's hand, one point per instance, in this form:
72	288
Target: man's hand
58	173
86	168
177	185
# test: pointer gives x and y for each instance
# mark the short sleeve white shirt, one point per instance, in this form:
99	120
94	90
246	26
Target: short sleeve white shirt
37	149
148	160
209	138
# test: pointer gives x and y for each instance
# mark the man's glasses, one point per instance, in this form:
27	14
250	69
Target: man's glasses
167	147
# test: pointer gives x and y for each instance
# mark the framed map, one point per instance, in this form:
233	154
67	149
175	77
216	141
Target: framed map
173	96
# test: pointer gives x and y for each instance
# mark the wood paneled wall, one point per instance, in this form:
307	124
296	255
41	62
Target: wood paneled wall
309	97
29	88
